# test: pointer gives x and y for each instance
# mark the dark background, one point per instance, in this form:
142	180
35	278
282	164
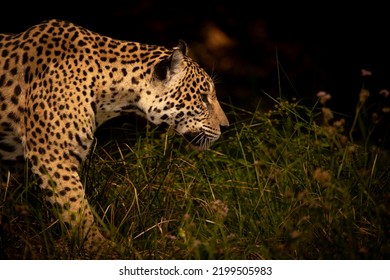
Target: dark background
245	44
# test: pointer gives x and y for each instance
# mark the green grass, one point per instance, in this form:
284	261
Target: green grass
288	183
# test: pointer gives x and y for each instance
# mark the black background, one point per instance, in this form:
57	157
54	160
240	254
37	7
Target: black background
313	47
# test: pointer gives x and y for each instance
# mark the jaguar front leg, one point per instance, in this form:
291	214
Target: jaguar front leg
60	182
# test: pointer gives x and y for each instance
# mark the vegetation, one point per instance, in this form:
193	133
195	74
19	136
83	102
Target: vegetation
294	182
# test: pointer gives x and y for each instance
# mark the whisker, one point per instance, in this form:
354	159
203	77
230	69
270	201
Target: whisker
201	140
198	139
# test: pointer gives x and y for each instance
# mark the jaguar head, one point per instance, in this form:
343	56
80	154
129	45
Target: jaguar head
183	96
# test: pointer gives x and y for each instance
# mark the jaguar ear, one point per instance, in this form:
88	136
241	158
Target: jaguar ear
183	47
173	64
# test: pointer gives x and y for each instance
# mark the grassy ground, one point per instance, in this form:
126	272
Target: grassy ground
294	182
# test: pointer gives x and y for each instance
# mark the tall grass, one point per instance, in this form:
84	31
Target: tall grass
295	182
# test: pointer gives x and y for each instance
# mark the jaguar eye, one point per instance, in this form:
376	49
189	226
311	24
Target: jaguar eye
204	98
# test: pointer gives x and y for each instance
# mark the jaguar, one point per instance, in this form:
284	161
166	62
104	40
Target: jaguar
60	81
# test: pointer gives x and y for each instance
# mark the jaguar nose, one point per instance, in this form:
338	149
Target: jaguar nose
224	124
223	120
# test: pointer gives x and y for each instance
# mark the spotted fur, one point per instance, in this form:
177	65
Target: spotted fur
60	81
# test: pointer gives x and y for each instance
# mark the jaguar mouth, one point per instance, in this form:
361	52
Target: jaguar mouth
198	140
